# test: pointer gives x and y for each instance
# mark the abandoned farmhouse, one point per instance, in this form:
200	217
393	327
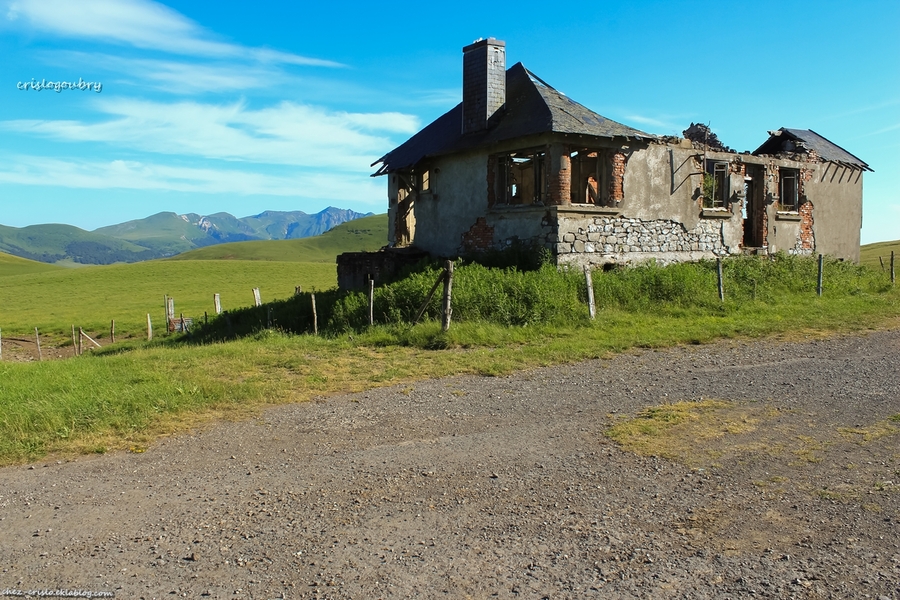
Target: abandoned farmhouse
519	162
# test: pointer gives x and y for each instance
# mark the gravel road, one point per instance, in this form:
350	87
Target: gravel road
476	487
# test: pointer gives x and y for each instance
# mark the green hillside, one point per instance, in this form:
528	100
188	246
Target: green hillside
164	232
55	242
13	265
868	254
365	234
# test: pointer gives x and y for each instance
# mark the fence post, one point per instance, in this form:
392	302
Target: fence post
1	344
37	339
448	290
371	302
80	341
183	325
315	317
892	267
218	304
721	283
881	260
269	318
256	297
298	290
74	342
819	278
589	281
149	328
112	331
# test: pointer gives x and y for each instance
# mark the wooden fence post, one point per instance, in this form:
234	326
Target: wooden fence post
298	290
37	339
149	328
721	283
183	325
205	318
74	342
819	277
881	260
315	316
448	290
428	298
892	267
80	341
269	318
371	302
256	297
592	309
112	331
218	304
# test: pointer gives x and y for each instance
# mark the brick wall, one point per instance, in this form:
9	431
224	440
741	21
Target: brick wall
617	181
479	237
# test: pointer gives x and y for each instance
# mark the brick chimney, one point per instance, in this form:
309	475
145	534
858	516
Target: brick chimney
484	82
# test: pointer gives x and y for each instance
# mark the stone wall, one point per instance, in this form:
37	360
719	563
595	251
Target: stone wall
626	240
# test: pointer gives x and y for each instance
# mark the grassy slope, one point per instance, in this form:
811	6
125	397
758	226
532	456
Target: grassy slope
165	232
367	233
92	296
870	252
13	265
53	239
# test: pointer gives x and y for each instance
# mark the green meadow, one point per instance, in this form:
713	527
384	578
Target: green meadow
129	393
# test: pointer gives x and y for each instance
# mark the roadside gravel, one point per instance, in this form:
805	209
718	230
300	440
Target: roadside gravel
473	487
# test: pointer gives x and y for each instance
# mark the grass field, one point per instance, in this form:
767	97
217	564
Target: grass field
868	254
53	299
126	395
13	265
92	296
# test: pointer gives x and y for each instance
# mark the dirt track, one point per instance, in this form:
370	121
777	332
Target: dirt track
483	487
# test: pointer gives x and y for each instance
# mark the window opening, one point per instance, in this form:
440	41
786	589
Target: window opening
521	179
789	192
715	185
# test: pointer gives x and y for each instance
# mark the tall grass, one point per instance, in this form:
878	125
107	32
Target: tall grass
548	296
503	320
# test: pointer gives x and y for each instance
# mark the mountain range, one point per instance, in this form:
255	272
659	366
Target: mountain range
161	235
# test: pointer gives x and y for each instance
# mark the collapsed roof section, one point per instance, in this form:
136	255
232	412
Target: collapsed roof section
805	141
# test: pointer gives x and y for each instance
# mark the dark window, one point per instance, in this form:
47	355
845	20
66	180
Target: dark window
715	185
790	189
521	177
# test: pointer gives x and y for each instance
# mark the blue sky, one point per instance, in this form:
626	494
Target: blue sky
227	106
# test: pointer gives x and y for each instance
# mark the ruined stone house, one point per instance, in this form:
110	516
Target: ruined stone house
518	161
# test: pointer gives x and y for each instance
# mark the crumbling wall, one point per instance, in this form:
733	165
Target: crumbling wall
479	237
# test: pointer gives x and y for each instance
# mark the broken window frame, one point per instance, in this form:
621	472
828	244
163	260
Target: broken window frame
424	181
508	188
789	190
720	172
601	170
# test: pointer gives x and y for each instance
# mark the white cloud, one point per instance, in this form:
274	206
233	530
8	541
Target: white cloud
285	134
135	175
140	23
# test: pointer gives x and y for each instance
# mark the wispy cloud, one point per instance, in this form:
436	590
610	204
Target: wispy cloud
142	24
669	123
137	175
285	134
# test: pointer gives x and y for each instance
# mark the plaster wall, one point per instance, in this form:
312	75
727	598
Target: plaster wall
458	198
836	194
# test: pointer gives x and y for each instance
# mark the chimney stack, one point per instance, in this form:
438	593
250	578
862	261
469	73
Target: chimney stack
484	83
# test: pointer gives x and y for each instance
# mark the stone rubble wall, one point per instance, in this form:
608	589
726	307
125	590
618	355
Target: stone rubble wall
601	240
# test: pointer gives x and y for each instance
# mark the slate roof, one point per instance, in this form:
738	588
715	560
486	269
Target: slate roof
532	107
806	138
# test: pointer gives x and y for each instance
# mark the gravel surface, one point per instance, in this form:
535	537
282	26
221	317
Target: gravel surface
475	487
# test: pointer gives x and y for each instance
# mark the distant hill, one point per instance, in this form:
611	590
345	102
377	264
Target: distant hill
363	234
14	265
162	235
868	254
